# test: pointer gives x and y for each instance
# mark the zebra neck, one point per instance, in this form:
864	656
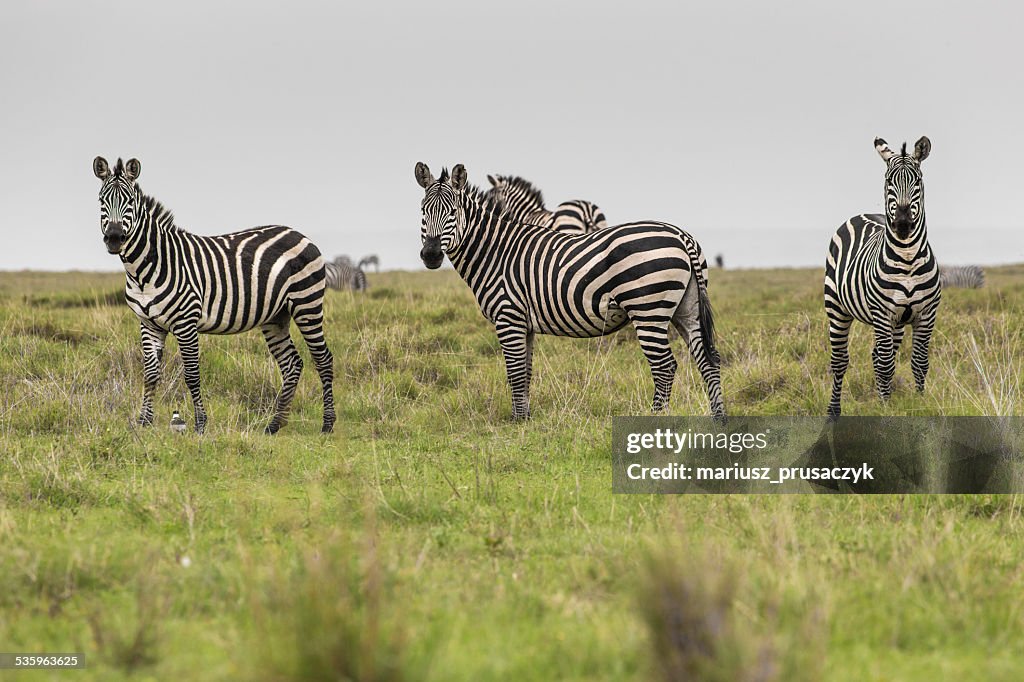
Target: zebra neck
895	252
140	255
485	244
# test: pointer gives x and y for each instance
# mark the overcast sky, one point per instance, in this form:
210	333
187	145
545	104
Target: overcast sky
725	118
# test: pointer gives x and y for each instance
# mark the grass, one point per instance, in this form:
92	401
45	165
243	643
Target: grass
430	538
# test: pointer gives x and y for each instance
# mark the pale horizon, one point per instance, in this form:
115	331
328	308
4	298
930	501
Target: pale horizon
747	128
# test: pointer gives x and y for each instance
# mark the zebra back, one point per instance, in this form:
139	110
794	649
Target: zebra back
962	277
523	202
342	275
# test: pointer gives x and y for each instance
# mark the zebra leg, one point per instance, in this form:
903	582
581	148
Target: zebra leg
686	320
188	343
921	342
653	337
883	358
529	362
839	340
310	321
517	347
152	355
279	341
897	339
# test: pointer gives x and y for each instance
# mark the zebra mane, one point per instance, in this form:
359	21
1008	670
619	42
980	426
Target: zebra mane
524	185
484	199
160	214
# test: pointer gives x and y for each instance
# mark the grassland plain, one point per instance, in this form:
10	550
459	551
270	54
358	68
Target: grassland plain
432	538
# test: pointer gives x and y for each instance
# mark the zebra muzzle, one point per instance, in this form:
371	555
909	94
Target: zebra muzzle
431	253
113	239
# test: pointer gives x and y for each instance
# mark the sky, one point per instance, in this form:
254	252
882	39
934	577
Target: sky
749	124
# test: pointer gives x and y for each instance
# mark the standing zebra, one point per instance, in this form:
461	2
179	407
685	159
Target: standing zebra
529	279
186	284
343	275
880	270
962	277
373	260
525	203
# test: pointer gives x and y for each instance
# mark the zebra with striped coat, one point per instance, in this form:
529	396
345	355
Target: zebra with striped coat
880	270
522	202
343	275
962	277
186	284
525	203
367	261
531	280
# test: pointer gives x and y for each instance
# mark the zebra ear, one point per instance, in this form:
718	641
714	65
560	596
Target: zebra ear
459	177
882	147
100	168
132	169
490	179
922	148
423	175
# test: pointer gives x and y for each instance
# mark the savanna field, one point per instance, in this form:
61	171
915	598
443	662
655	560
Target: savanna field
431	538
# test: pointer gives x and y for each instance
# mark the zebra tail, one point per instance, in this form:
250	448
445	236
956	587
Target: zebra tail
706	317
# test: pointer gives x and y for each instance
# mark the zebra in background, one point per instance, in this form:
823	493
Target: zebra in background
367	261
880	270
187	284
525	203
342	274
962	277
529	280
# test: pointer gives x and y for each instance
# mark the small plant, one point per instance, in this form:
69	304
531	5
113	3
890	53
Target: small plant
330	619
133	643
708	621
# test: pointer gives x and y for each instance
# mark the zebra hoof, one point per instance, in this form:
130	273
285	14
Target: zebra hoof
271	429
327	428
143	421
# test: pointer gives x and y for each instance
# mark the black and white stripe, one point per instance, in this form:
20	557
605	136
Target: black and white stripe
343	275
525	203
880	270
962	277
186	284
531	280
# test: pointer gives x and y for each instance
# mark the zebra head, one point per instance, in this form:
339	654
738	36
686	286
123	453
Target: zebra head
120	200
904	186
443	218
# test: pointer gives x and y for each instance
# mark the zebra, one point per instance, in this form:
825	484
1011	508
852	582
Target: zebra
367	261
529	280
187	284
343	275
962	277
880	270
525	203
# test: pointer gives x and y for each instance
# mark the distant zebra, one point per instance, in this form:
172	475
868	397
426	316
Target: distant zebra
880	270
187	284
373	260
525	203
530	280
341	274
962	277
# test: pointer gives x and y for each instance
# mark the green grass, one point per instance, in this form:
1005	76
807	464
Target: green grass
432	538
